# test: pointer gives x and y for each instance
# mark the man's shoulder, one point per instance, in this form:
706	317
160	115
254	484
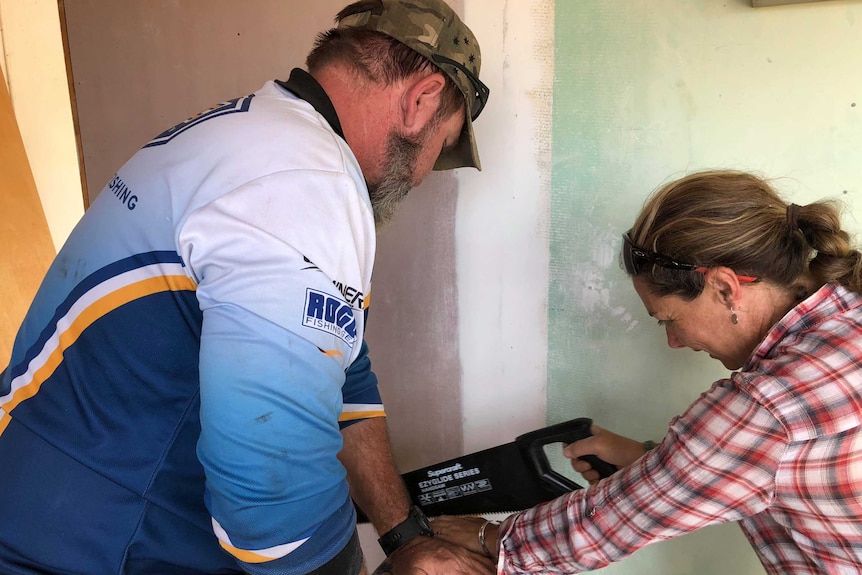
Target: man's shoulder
300	134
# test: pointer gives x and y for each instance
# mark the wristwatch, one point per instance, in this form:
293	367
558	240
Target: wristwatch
416	524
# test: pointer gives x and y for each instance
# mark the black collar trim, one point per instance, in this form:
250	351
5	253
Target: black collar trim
302	85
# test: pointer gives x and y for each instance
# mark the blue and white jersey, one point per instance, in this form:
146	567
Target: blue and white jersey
174	397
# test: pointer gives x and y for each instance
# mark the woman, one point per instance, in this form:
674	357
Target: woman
774	292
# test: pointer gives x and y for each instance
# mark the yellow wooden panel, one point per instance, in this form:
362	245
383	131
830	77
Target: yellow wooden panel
27	249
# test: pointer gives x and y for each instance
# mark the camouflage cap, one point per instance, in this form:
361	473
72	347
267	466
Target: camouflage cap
431	28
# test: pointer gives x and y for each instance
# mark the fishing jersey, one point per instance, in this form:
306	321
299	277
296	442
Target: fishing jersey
174	398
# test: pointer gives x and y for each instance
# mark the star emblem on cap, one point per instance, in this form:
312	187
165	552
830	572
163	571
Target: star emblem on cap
456	41
472	59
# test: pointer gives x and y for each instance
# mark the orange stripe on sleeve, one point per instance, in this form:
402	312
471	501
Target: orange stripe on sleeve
354	415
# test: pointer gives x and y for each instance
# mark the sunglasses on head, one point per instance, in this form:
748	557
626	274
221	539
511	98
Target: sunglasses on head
635	257
481	92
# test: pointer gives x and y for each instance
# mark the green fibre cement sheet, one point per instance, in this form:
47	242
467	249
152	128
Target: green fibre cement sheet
631	110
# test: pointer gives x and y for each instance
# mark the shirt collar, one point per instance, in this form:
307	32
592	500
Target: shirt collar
303	85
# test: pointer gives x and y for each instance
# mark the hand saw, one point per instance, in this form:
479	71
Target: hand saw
503	479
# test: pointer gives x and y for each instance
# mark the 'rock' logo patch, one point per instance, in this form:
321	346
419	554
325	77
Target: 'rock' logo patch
329	314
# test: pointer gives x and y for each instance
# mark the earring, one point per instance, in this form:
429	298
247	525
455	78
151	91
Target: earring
734	319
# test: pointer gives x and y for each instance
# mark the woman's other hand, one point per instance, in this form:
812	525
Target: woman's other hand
607	446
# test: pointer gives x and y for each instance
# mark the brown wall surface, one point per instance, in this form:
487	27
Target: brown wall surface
141	67
27	249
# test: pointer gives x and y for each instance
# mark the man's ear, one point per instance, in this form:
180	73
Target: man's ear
725	284
420	100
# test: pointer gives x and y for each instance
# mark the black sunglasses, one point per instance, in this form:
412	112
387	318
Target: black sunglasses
634	257
481	91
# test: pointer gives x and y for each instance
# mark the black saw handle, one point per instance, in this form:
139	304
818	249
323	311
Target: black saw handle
533	444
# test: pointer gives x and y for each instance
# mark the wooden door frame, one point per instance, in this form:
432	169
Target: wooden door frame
61	7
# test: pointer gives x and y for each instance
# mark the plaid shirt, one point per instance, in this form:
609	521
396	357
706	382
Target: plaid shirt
777	447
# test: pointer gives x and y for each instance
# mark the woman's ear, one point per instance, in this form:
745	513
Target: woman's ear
420	101
726	285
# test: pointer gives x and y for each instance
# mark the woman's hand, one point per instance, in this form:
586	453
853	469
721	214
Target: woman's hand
607	446
464	531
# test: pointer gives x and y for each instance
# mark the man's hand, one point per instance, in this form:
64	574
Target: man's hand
607	446
435	556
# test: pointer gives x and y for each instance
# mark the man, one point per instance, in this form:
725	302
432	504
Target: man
190	391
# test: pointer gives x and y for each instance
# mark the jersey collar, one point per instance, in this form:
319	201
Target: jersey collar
302	85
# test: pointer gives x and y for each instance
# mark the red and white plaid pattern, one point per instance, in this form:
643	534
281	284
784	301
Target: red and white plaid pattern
777	447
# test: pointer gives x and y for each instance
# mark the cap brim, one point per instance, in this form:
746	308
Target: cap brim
464	154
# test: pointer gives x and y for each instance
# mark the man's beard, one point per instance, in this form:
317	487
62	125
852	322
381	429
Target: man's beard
399	168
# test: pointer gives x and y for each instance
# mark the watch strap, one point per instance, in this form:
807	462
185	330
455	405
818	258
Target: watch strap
415	525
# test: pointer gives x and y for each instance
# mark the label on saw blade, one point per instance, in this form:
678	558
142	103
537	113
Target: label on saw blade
496	479
440	485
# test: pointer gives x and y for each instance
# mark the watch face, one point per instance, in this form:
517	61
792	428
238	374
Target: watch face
423	521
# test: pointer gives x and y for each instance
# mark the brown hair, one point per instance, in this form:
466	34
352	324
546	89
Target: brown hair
736	219
378	58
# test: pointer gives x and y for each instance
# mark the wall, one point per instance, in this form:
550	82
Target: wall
502	226
647	90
